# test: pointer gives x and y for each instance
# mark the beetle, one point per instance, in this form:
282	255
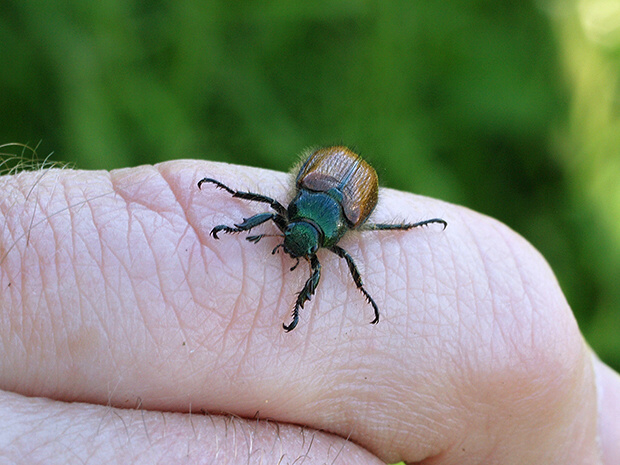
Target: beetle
335	191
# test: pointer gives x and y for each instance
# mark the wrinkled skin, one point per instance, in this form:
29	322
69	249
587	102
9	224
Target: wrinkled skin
115	297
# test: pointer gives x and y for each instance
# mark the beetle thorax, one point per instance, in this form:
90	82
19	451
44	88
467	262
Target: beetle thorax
302	239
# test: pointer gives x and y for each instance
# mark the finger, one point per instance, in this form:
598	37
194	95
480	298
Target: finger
35	430
115	291
608	388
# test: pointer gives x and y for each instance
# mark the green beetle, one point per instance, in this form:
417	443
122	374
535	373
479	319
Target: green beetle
335	191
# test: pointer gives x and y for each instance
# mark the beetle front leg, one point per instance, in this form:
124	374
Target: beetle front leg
403	226
246	225
277	206
357	278
306	293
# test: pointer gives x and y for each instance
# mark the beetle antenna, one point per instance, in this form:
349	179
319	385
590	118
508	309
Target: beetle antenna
277	247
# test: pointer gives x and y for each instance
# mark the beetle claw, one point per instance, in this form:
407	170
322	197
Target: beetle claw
216	230
290	327
295	266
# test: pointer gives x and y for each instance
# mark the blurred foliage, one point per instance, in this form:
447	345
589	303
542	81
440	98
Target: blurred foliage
510	108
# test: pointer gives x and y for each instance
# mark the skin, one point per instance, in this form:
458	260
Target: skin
123	321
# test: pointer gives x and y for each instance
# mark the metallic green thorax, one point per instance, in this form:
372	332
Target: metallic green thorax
314	211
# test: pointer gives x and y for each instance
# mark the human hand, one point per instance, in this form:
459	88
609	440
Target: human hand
114	296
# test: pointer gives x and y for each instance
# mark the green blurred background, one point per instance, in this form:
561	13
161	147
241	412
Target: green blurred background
510	108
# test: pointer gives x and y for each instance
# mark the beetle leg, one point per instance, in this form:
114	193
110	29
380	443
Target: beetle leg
357	278
246	225
306	293
403	226
277	206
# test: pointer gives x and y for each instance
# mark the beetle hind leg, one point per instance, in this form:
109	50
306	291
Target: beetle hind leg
357	279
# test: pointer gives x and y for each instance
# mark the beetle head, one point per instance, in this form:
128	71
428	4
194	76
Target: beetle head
301	239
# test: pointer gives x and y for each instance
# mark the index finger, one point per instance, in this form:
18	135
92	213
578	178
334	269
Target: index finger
114	290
